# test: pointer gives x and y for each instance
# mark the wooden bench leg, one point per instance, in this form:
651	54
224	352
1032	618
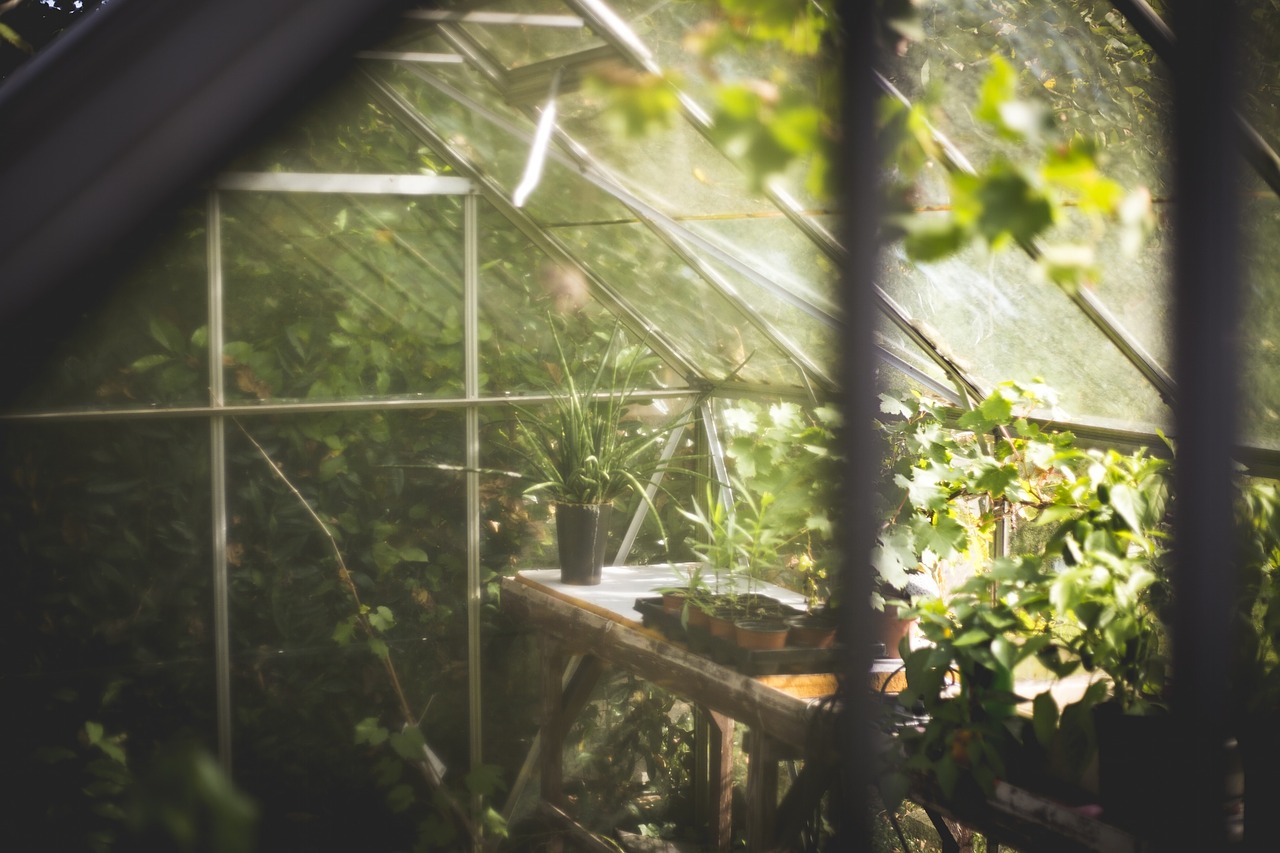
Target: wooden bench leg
720	789
762	792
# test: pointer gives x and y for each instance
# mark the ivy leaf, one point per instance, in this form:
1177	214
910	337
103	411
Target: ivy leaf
891	405
382	619
930	238
400	798
1011	208
944	537
408	743
996	479
485	780
996	410
370	731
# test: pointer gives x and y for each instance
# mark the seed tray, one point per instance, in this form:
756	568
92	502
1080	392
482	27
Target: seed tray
792	660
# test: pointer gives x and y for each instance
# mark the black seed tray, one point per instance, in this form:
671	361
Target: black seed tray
792	660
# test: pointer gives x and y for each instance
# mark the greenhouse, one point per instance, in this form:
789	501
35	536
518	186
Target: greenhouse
401	395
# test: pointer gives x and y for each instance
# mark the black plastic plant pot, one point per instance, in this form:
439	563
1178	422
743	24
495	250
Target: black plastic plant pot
581	533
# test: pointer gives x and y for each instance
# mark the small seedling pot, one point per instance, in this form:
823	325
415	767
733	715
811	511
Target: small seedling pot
760	634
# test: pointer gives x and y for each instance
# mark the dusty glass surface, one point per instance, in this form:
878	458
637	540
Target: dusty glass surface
683	306
144	342
1079	59
674	169
528	300
1259	32
496	139
1259	342
776	248
994	316
333	297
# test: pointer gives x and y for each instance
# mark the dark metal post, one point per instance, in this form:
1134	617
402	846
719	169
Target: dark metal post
1206	287
858	169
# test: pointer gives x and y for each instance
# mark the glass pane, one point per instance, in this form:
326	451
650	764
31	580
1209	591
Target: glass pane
1260	337
342	131
523	296
391	493
561	196
1081	60
684	307
898	347
107	619
330	297
1261	86
522	44
145	342
676	169
998	320
775	247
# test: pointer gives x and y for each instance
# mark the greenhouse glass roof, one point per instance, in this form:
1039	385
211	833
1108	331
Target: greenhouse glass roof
735	286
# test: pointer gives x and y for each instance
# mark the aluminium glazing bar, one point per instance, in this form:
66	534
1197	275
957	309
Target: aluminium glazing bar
410	56
635	322
471	387
651	489
218	486
298	406
308	182
499	18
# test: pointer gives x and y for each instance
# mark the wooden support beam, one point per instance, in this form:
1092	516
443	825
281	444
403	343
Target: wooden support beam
762	791
553	729
720	787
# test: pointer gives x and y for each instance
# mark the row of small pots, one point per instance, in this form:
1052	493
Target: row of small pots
766	632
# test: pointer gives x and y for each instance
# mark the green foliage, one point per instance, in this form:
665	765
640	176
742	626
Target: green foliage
784	460
587	450
1012	199
1093	598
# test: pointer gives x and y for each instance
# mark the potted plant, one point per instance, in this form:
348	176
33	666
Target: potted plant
1090	597
585	454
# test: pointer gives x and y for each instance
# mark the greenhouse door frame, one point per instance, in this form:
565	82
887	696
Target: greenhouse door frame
219	410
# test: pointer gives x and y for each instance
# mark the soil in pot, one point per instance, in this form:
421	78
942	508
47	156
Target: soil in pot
812	631
760	634
581	534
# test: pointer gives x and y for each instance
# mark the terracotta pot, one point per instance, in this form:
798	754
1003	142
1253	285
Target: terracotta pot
812	631
720	624
581	533
760	634
673	602
890	630
698	616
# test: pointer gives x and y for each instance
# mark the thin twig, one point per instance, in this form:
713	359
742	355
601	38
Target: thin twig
410	719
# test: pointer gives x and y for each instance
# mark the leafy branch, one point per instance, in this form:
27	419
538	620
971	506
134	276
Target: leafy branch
409	744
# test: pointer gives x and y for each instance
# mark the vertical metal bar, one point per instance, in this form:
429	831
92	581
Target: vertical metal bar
1206	289
859	195
218	484
642	512
471	385
715	452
